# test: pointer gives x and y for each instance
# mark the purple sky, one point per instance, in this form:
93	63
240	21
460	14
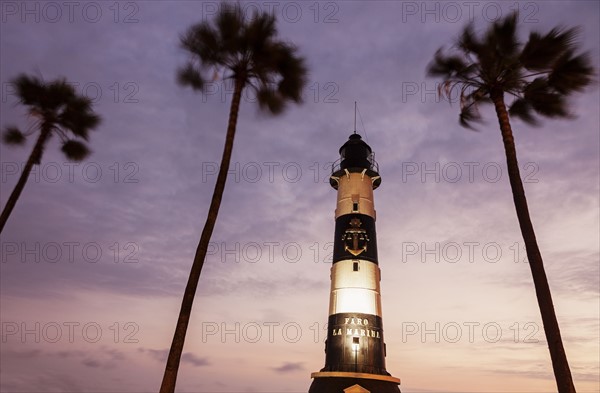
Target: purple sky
96	255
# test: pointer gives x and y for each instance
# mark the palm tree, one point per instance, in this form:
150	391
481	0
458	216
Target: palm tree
249	54
57	110
540	75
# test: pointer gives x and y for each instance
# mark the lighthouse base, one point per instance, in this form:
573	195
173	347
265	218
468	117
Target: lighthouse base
344	382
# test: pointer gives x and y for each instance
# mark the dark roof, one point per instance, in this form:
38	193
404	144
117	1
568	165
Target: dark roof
338	384
353	140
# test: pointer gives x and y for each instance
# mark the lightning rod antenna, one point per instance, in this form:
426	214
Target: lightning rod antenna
355	117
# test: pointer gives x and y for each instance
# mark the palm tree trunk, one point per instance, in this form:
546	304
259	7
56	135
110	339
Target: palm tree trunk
34	158
172	367
562	373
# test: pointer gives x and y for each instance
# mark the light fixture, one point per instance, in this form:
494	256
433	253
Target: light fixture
355	349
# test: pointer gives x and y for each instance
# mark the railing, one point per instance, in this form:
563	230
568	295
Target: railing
336	166
374	164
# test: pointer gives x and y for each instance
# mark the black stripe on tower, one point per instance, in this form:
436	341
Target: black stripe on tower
355	344
355	238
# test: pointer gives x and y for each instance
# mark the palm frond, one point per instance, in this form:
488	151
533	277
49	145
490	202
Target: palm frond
203	41
478	94
56	94
270	100
541	51
13	136
29	89
446	66
469	107
571	73
259	34
229	24
188	75
78	117
75	150
544	100
468	41
469	115
292	70
504	33
550	105
523	110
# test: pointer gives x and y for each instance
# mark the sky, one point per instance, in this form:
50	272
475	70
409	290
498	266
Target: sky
96	254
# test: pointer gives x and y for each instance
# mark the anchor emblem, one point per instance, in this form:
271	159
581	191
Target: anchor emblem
355	238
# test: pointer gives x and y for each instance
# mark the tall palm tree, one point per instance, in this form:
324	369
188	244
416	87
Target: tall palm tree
249	53
540	76
57	110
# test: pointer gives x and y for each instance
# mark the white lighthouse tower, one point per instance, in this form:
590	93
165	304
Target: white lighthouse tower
355	349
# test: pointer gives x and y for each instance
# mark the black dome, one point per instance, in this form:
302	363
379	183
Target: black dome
355	156
355	153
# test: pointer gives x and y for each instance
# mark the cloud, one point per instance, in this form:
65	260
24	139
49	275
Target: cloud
194	360
91	363
29	354
570	274
102	358
41	382
161	355
538	372
289	367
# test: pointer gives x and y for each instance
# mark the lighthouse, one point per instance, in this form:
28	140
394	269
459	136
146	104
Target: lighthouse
355	349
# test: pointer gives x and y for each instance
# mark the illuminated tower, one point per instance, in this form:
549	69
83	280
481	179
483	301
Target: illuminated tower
355	350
